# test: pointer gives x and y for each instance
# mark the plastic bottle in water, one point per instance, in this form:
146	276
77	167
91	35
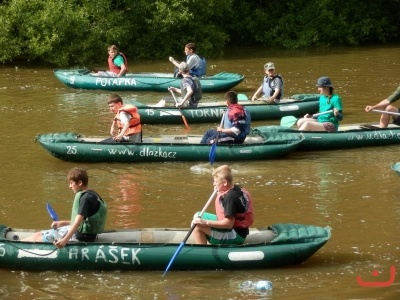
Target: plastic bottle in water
261	285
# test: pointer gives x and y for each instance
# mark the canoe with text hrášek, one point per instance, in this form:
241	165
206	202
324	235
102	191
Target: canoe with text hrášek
169	148
298	105
347	136
158	82
152	249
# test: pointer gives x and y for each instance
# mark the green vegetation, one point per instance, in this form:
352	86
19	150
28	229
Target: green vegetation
69	33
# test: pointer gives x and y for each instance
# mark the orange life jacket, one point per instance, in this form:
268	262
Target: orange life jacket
134	122
242	220
113	67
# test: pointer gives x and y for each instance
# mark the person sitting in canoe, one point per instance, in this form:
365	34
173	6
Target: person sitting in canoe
88	217
190	88
328	102
234	213
389	109
127	121
117	63
235	125
271	88
197	65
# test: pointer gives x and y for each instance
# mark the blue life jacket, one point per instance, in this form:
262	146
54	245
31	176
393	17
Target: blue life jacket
244	125
201	69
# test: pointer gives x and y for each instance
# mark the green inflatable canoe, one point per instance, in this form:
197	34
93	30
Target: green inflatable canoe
169	148
157	82
152	249
348	136
209	112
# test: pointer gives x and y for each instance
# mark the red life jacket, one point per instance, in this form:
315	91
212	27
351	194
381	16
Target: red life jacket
113	67
242	220
134	122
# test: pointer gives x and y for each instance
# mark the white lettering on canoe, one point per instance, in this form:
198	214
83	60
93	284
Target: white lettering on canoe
37	253
207	112
108	254
121	152
388	135
118	81
146	152
245	256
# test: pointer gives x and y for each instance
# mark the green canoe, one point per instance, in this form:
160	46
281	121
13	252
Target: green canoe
348	136
73	147
298	105
158	82
152	249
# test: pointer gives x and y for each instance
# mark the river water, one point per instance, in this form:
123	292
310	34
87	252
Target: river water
352	191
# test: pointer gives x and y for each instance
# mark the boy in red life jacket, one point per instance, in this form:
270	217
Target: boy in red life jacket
126	121
234	213
117	63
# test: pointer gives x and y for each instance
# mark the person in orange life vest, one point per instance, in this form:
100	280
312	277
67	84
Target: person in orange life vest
234	213
127	121
117	63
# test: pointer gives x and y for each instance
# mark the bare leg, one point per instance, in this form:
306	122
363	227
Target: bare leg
36	237
199	234
385	118
312	125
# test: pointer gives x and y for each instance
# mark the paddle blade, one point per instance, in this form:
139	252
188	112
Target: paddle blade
173	257
51	212
242	97
288	121
213	153
184	121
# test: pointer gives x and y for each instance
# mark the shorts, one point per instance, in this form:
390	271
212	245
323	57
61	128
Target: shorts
51	235
222	236
329	127
397	120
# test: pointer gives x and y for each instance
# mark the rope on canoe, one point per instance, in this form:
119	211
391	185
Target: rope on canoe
33	253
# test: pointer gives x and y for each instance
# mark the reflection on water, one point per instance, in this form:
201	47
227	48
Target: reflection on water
352	191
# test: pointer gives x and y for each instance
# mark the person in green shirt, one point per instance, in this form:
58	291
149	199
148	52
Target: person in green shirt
328	101
385	104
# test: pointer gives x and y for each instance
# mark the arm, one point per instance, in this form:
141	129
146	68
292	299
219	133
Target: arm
123	70
382	104
74	227
226	223
112	130
273	97
175	62
257	94
125	117
187	96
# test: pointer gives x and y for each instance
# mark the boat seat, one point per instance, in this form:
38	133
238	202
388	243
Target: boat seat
254	139
256	237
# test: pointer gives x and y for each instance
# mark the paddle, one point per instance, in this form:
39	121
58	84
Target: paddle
51	212
385	112
180	110
189	233
54	217
289	121
213	150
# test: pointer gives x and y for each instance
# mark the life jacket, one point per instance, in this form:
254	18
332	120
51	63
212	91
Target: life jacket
199	70
195	84
113	67
240	118
268	90
134	122
242	220
95	223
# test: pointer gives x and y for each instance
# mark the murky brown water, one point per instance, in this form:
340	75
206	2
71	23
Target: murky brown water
353	191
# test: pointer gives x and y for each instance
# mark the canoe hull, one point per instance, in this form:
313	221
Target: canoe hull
72	147
348	136
158	82
259	111
290	244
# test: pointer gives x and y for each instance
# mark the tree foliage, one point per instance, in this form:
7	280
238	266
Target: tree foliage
70	33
